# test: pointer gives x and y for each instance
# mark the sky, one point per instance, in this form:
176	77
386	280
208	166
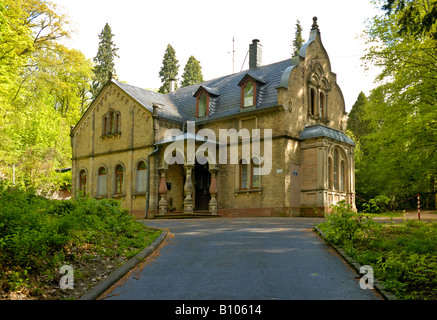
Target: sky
218	34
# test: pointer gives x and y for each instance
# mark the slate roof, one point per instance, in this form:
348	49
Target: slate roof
225	94
147	97
317	131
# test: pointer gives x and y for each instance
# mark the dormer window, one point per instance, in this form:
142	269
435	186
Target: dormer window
250	85
203	97
248	94
202	104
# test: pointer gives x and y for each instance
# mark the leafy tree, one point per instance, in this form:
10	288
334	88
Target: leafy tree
399	155
298	40
169	70
104	60
43	91
416	17
192	72
356	122
15	38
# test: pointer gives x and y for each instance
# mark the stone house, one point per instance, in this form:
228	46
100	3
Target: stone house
138	146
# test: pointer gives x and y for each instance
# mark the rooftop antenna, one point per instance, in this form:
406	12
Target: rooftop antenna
233	53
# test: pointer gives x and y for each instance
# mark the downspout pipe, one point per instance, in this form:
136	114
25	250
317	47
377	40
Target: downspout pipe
155	107
148	179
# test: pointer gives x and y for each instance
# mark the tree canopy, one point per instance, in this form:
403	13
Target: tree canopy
399	143
44	90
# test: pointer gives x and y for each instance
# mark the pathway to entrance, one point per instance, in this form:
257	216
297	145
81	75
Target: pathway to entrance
242	258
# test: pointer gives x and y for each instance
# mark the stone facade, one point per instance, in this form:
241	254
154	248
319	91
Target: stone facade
120	144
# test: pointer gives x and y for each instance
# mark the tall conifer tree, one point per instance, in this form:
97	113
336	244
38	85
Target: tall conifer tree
169	70
104	68
192	72
298	40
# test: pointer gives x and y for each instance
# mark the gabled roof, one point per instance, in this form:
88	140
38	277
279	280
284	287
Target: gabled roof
225	98
147	98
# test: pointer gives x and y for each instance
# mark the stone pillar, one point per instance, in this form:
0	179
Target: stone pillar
188	189
162	193
213	205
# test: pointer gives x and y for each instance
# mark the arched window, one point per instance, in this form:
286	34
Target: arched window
101	181
105	125
322	105
336	173
243	174
313	101
111	121
119	179
330	173
141	176
82	182
248	177
342	176
117	122
255	178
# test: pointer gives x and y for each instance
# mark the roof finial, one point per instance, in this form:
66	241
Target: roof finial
314	26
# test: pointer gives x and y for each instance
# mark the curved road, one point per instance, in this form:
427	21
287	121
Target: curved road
242	259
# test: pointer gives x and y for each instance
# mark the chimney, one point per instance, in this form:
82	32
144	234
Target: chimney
172	85
255	54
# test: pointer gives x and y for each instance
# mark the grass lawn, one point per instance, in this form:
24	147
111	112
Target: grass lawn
403	255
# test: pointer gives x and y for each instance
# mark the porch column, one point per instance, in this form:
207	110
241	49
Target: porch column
188	189
162	193
213	205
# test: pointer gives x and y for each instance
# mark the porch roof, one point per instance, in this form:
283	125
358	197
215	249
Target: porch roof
317	131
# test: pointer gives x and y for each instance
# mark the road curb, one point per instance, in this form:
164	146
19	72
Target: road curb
356	266
116	275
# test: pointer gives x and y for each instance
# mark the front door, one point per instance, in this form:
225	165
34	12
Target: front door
202	179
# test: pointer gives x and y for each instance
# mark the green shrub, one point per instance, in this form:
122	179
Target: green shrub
376	205
403	255
344	225
38	235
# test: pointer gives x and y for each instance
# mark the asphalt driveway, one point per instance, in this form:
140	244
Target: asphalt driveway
244	259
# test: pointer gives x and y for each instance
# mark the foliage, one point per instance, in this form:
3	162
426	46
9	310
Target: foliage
376	205
402	255
396	125
298	40
343	224
38	235
417	17
104	68
192	72
62	181
169	69
357	123
43	91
